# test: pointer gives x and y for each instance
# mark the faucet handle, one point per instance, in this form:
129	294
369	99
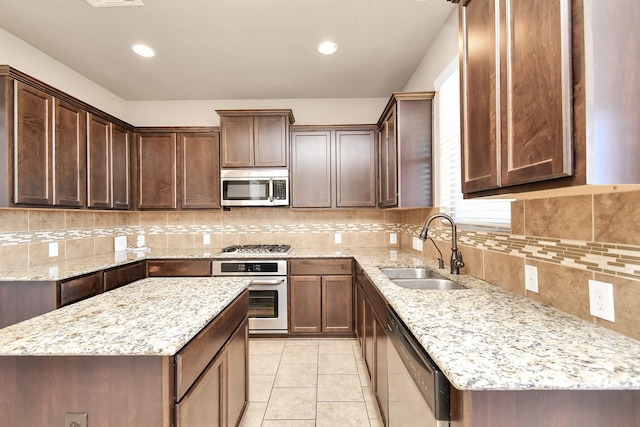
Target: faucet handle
459	262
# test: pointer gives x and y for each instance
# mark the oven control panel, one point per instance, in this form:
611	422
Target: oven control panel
250	267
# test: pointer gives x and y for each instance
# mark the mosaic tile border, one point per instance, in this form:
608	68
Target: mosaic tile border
606	258
612	259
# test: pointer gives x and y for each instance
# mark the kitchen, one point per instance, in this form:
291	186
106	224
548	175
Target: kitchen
564	223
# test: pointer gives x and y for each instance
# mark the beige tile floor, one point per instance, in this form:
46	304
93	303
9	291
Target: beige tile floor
309	383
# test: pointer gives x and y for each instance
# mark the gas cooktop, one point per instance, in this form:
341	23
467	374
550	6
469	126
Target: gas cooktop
257	249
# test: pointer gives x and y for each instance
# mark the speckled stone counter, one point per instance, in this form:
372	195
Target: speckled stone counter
483	338
154	316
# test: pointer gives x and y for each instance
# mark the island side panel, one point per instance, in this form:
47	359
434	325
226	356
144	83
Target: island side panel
23	300
546	408
112	390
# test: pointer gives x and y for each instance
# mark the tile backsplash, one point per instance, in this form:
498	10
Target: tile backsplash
570	239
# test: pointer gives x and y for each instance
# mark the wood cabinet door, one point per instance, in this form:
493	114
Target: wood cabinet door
200	171
238	369
270	141
157	170
204	404
236	141
311	169
99	162
355	169
388	161
337	304
304	304
69	147
33	146
479	83
77	289
536	95
120	167
381	378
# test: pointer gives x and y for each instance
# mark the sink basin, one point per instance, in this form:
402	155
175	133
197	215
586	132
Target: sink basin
410	273
419	278
428	284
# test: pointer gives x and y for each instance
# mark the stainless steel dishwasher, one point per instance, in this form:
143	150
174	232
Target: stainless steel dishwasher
419	393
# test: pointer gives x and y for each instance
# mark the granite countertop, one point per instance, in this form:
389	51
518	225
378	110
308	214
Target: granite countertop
482	338
154	316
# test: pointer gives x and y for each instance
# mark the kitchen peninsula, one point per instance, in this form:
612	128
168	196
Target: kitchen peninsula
146	354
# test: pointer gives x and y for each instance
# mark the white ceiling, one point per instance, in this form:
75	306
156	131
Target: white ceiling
235	49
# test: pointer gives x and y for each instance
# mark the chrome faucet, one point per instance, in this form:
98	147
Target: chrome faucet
456	256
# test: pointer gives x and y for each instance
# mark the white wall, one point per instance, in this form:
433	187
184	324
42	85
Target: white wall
306	111
35	63
441	53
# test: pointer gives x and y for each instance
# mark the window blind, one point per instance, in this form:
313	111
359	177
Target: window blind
475	213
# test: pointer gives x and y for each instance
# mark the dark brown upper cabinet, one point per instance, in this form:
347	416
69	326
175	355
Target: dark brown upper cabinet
178	170
333	167
108	162
49	148
545	103
254	138
200	170
405	151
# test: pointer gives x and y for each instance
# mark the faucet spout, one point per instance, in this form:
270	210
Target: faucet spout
456	256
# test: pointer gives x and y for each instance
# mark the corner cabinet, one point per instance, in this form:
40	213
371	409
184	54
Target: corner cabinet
254	138
178	169
405	151
539	106
333	167
321	296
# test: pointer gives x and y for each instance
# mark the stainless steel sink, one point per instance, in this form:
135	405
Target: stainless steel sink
429	284
410	273
419	278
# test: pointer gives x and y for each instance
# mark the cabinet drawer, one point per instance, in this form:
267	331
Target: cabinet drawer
196	355
179	268
80	288
121	276
320	266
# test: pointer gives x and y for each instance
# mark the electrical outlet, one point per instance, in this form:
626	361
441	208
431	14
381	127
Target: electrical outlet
75	420
417	244
601	300
53	249
206	239
140	241
393	239
338	238
531	278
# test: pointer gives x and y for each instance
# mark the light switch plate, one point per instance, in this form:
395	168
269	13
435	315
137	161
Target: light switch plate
53	249
601	300
531	278
417	244
120	243
206	239
393	239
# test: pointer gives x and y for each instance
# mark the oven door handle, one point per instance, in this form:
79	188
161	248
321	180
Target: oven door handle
263	282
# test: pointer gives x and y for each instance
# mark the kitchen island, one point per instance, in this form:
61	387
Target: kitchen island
157	352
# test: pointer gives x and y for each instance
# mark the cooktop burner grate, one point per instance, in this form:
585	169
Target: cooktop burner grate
257	249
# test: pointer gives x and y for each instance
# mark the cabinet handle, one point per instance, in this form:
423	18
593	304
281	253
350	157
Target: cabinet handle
266	282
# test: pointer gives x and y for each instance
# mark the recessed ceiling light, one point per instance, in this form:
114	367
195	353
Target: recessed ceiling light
143	50
327	48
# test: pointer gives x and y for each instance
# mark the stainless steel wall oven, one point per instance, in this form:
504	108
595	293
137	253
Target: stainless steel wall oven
267	291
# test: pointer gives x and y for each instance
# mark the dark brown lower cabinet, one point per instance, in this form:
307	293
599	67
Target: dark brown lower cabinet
204	385
179	268
321	296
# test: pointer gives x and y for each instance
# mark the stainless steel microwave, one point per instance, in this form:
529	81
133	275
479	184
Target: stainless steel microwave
254	187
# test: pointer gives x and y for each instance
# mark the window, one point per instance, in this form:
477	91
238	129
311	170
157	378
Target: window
476	213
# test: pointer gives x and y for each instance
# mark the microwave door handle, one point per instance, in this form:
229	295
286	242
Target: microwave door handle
270	190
